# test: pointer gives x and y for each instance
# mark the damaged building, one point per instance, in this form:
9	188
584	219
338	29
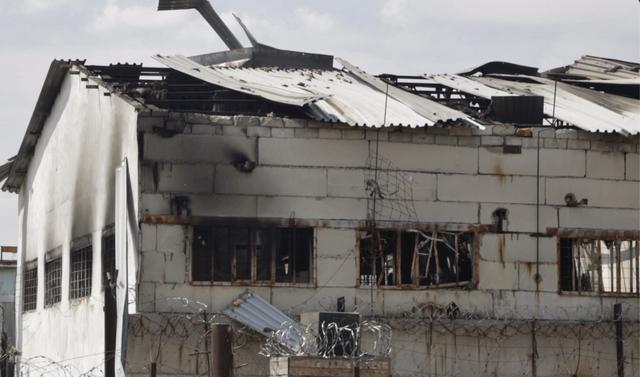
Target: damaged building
489	218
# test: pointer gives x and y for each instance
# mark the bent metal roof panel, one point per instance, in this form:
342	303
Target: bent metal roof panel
347	96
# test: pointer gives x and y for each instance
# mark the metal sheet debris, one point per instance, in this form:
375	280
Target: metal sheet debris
584	108
597	68
257	313
345	96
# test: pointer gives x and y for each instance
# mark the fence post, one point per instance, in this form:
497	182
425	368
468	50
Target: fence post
617	317
534	350
221	350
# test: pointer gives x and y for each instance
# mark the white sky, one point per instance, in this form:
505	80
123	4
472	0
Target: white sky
397	36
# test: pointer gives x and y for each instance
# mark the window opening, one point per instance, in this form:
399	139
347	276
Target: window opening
415	258
599	266
81	270
30	289
53	281
250	254
241	251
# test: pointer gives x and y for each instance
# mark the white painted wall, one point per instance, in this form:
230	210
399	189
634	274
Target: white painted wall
69	193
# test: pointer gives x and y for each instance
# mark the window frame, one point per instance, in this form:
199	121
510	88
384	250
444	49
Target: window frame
56	263
80	256
30	270
397	258
602	236
253	228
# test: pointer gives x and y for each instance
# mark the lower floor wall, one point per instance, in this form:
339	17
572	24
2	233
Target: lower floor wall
427	339
63	340
428	343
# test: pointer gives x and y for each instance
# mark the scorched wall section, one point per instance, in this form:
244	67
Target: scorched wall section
272	172
66	203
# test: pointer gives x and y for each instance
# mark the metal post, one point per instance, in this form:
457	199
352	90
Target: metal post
534	350
153	370
221	350
617	317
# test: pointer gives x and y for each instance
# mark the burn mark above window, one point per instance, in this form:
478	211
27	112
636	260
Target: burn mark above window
414	258
599	266
252	255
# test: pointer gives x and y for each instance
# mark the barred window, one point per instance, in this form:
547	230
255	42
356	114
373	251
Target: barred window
30	289
248	254
80	276
53	281
108	259
415	259
590	265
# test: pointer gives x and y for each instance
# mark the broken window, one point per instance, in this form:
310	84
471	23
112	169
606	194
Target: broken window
599	266
30	288
415	258
108	259
252	254
53	281
80	275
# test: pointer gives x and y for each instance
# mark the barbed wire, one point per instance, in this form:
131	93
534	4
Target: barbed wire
487	340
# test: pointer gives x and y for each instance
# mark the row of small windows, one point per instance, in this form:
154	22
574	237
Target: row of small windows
80	275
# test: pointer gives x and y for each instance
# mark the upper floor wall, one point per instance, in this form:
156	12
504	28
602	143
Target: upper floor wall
313	171
282	172
69	191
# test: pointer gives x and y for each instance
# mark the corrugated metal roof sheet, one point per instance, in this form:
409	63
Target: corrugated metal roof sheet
587	109
257	313
347	96
597	68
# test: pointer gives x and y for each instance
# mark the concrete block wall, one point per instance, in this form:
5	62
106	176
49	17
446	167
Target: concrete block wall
315	172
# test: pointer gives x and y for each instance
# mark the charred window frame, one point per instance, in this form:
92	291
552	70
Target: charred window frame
81	272
53	281
108	258
594	266
415	259
239	254
30	287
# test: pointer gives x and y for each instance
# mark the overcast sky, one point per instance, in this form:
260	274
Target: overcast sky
398	36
